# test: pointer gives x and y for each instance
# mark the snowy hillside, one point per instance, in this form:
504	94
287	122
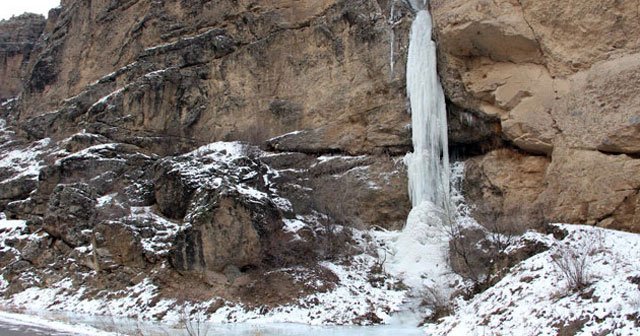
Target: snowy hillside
536	298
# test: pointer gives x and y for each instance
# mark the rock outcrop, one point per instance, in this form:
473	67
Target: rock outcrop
204	72
562	80
18	37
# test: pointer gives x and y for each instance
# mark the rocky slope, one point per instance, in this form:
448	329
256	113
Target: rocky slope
110	151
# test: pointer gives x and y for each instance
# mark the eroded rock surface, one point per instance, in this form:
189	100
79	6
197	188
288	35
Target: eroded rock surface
18	37
562	79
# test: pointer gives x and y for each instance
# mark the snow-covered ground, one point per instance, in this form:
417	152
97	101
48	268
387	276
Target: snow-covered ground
21	324
356	296
536	298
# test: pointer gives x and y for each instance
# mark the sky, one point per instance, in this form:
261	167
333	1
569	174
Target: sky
17	7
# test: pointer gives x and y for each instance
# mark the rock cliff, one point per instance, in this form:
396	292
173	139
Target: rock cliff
18	37
120	151
561	79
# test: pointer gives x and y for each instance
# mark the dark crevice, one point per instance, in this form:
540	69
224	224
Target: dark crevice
631	155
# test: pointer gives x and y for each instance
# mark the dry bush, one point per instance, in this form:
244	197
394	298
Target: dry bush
439	303
194	323
339	199
257	133
574	261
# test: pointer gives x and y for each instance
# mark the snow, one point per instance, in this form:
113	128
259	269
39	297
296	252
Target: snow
229	164
92	152
354	296
56	326
535	298
106	199
157	73
189	38
10	229
326	158
111	75
164	230
7	102
3	283
285	135
106	98
293	225
10	225
24	161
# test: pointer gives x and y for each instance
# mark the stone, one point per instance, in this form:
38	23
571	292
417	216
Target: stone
503	187
560	79
589	187
225	231
71	214
18	36
236	79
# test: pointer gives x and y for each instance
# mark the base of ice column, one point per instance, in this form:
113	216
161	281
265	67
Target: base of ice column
420	257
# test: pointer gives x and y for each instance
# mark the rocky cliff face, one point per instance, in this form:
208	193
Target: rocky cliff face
210	71
107	152
18	37
311	77
561	79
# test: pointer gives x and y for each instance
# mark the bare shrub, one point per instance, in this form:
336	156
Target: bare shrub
256	133
332	240
504	232
477	254
471	255
574	261
194	323
574	266
339	199
439	303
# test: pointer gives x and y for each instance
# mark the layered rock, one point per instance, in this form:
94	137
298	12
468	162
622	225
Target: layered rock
18	37
189	73
226	71
562	79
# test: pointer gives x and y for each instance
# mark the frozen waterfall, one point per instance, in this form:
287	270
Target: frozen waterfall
420	256
428	165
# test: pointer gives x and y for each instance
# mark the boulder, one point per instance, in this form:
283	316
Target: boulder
225	229
503	188
561	80
71	213
589	187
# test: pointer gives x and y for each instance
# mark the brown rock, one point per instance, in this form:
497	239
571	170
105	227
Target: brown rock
122	244
226	229
71	214
189	72
590	187
503	187
562	80
18	36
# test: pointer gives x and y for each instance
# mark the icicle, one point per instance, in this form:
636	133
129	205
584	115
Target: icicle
428	165
392	17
